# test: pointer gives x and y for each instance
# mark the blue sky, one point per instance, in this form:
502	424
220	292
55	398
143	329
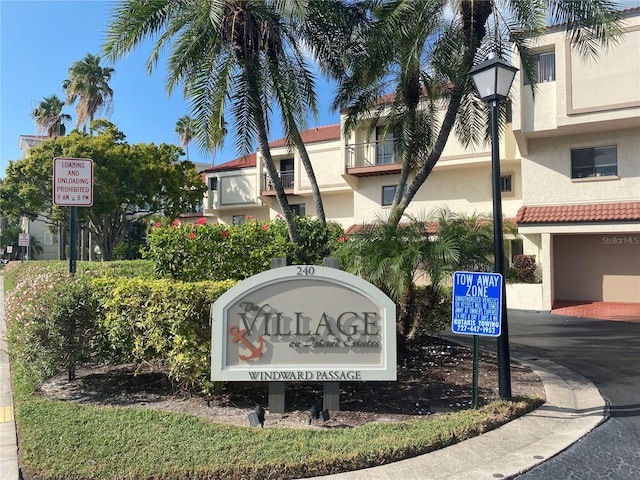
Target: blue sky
39	40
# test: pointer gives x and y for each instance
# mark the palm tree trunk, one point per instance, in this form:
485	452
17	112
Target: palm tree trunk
306	162
269	164
474	16
432	159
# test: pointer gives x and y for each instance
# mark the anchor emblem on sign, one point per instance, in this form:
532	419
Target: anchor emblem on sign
238	336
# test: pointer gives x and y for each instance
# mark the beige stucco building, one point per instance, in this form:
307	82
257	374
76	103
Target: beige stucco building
570	175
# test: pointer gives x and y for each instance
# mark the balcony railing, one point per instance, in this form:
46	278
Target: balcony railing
286	177
370	154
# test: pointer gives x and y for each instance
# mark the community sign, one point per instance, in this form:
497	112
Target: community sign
303	323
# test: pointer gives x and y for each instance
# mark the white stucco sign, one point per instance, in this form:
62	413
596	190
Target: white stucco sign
303	323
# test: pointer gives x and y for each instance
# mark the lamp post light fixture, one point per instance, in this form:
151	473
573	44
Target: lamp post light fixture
129	217
492	79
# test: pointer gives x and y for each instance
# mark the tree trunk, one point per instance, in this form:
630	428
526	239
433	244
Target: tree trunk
269	164
474	17
306	162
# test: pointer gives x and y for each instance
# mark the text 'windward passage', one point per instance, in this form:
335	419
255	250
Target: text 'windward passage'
305	375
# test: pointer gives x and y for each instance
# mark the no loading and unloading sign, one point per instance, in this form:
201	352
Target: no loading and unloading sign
73	182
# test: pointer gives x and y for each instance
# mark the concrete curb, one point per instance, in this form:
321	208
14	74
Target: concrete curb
574	407
8	439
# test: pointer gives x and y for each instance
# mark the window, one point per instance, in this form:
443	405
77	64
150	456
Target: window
384	150
517	248
286	173
298	209
238	219
506	183
594	162
388	192
286	165
213	183
545	65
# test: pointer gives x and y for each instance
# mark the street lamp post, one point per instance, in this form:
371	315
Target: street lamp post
129	217
492	79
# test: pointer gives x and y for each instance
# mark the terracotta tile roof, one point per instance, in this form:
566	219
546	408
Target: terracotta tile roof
313	135
366	228
37	137
596	212
242	162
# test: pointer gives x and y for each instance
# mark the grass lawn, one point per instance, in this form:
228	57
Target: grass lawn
69	441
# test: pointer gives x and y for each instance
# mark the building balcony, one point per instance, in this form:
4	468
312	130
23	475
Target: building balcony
372	158
286	177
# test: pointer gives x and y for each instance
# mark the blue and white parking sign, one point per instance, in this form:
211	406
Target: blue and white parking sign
477	303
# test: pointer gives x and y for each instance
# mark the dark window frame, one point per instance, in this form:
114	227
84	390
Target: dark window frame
506	183
298	209
586	164
537	60
384	201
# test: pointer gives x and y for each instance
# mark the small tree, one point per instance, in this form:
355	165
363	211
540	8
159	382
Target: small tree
126	177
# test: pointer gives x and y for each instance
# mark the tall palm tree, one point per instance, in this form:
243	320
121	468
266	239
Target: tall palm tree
186	128
88	83
49	117
237	54
421	54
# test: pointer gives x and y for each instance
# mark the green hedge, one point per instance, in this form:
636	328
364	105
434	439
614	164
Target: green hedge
56	321
161	320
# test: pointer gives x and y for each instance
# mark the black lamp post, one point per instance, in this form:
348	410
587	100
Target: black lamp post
129	217
492	79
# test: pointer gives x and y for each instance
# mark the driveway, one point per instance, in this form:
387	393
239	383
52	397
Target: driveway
607	352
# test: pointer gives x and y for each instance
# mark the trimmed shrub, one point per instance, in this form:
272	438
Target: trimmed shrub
162	321
56	321
55	324
202	251
526	269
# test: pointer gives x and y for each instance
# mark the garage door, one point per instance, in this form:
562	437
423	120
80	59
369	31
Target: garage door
599	268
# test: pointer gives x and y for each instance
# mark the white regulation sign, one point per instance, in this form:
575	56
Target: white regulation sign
72	182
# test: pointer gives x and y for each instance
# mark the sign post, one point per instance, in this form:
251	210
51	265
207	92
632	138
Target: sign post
477	310
72	187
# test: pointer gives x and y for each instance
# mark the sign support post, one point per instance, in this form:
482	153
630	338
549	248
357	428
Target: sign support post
73	240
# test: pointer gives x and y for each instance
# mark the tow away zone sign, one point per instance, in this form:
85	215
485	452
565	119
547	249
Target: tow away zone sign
72	182
477	303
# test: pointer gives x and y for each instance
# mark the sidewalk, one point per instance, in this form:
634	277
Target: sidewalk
8	439
573	408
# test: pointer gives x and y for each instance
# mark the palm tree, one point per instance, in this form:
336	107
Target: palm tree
186	128
88	83
240	55
393	258
49	117
415	50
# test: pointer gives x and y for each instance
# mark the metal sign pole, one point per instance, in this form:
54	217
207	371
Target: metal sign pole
73	240
474	385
